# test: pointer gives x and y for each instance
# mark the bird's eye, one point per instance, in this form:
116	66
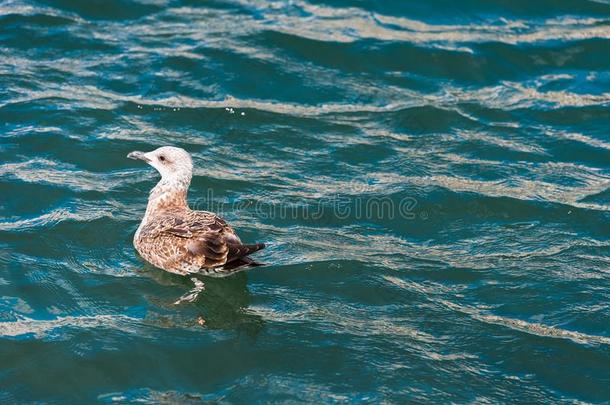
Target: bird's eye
162	158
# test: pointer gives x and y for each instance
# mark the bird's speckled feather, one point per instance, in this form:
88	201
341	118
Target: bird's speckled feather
180	240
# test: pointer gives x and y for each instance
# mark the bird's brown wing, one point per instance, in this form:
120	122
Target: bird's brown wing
190	241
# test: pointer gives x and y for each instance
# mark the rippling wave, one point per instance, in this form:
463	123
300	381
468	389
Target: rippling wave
432	180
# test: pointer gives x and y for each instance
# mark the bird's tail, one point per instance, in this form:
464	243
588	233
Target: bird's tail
241	251
241	264
237	259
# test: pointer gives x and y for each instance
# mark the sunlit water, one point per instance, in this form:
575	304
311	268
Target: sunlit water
432	180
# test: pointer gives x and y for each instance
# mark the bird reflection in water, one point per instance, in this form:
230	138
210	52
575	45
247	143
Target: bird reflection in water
193	293
218	303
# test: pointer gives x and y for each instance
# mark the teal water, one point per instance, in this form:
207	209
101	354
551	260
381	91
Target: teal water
432	179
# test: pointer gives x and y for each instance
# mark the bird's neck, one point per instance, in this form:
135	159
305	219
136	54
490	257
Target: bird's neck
166	195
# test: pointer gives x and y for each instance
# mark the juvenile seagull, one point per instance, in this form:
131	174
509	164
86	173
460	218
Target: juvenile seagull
178	239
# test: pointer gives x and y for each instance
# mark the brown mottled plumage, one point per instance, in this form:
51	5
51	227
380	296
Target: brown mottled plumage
174	237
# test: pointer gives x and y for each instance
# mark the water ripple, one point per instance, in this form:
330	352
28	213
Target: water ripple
491	117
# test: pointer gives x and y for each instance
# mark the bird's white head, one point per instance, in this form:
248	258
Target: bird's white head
173	164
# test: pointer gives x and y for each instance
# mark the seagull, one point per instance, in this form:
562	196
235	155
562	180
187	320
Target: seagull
178	239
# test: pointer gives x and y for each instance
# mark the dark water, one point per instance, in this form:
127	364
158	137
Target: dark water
432	178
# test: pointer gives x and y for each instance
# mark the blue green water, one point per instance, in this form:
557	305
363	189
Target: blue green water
432	180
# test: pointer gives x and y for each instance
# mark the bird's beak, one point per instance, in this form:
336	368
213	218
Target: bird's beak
137	155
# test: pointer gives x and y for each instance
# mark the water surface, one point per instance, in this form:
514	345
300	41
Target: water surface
432	179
